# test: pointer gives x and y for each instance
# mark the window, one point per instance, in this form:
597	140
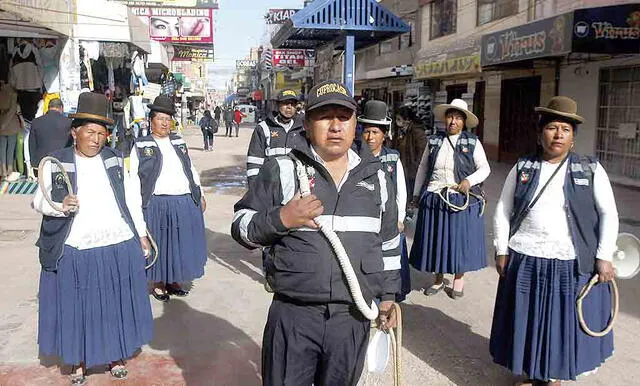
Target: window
443	18
490	10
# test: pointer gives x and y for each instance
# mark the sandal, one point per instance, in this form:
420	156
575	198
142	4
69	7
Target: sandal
434	289
77	378
119	371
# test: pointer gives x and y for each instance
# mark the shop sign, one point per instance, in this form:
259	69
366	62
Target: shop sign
192	54
547	37
288	58
246	63
212	4
279	16
178	25
607	30
448	64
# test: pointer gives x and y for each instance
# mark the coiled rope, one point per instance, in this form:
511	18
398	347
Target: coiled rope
372	312
450	189
615	306
59	208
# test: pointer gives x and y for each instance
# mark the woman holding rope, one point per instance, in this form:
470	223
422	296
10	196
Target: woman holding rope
169	192
555	226
449	235
93	302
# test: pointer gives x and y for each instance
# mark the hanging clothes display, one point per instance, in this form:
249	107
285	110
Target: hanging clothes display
86	74
138	75
50	56
169	84
10	125
25	67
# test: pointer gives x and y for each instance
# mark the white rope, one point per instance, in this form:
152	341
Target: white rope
449	189
369	312
615	306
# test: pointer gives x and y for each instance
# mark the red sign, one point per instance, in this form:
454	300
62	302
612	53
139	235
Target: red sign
289	58
178	25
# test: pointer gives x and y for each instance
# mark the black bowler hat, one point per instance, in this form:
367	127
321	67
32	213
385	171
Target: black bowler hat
287	95
330	92
163	104
93	107
375	112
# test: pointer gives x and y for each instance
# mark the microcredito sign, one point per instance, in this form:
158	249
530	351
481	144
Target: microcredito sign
279	16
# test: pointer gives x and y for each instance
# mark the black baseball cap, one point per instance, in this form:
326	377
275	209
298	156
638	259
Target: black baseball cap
287	95
330	92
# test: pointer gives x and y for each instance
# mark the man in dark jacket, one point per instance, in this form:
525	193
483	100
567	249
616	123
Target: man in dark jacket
314	332
280	132
49	133
228	121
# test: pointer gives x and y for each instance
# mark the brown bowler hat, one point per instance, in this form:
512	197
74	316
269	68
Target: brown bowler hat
563	107
93	107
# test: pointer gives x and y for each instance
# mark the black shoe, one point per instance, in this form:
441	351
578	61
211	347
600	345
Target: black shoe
160	296
434	290
179	292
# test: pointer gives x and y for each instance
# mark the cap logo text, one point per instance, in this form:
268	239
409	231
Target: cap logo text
331	88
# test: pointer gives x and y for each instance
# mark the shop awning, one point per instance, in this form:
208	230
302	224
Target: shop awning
53	15
325	21
13	26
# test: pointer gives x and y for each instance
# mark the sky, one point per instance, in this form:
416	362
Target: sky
239	26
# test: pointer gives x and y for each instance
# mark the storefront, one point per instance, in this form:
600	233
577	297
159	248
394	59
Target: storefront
591	55
386	84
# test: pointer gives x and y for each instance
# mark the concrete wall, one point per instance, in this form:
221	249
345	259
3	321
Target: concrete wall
581	83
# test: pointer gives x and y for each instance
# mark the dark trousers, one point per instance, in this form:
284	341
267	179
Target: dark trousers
237	128
207	135
313	344
229	129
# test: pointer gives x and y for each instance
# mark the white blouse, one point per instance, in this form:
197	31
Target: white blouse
172	180
545	232
443	175
98	221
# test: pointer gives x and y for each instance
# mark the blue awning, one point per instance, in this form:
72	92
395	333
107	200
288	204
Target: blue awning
325	21
231	98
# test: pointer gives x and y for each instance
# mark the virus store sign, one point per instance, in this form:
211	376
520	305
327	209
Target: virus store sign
289	58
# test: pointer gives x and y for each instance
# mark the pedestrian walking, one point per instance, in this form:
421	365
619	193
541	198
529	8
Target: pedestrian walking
237	120
209	127
49	132
217	112
555	226
93	302
449	235
314	333
376	124
410	140
229	116
169	192
281	131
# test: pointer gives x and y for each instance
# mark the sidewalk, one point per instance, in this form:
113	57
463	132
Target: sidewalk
213	337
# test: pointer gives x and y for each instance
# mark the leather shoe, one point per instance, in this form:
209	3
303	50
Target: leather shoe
160	296
176	291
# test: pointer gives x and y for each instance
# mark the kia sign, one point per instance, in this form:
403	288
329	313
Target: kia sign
178	25
279	16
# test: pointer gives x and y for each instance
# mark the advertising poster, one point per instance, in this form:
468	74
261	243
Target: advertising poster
288	58
178	25
212	4
193	54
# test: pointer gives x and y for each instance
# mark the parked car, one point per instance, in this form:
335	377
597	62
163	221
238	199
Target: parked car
249	111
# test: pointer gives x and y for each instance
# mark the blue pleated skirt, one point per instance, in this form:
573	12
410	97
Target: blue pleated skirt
177	225
405	270
535	327
446	241
95	308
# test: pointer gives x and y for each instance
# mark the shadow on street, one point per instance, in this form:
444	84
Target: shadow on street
224	250
450	347
208	350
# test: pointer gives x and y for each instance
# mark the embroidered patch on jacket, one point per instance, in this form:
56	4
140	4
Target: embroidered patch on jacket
366	185
465	149
390	168
59	181
183	148
524	177
311	172
581	181
148	151
274	134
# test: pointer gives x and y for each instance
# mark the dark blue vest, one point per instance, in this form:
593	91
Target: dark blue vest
463	163
55	230
580	206
389	159
151	164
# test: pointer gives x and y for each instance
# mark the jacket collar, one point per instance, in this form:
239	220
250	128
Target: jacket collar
298	122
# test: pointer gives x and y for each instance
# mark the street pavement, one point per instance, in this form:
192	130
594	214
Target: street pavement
213	337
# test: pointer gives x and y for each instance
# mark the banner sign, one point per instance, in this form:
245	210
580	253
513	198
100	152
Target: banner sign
288	58
178	25
607	30
543	38
246	63
192	54
279	16
211	4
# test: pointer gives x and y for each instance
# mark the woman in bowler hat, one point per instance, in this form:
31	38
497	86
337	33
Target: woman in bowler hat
555	226
93	302
375	125
170	195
